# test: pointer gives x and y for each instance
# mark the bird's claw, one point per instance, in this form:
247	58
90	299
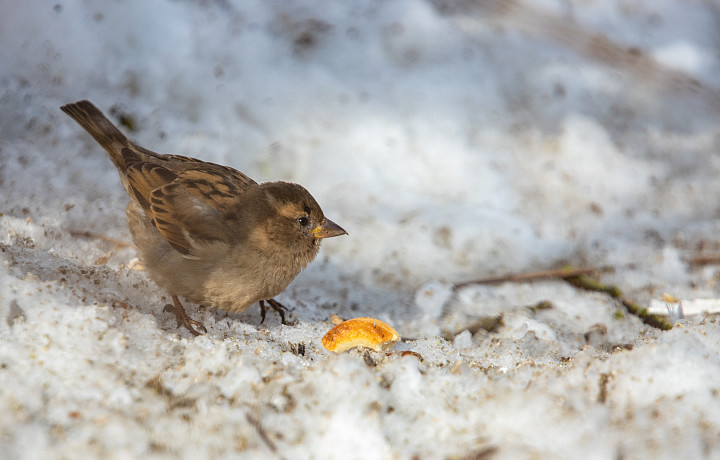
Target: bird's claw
183	319
278	307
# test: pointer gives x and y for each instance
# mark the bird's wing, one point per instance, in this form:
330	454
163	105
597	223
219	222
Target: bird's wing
189	201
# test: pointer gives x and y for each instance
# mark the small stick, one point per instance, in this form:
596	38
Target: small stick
533	276
647	318
86	234
704	260
261	432
577	277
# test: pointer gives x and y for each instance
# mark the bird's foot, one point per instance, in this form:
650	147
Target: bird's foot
278	307
182	318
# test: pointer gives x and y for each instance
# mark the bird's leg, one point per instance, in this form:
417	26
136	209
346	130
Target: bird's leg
182	318
277	306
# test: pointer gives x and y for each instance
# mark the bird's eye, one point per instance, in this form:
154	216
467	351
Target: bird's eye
303	221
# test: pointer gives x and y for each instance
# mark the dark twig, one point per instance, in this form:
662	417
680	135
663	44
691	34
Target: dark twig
578	278
704	260
86	234
261	432
534	276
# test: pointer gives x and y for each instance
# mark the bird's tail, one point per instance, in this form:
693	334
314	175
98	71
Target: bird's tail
103	130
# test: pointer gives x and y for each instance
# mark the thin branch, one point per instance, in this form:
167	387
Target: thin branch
534	276
578	278
86	234
261	432
704	260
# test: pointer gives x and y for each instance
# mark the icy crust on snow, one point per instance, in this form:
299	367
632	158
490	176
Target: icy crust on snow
453	141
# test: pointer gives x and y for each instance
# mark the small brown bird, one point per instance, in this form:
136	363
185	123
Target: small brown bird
208	232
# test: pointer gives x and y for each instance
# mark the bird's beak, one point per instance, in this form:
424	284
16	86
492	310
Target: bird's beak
328	230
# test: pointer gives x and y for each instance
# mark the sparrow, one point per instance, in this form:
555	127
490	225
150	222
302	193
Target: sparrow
207	232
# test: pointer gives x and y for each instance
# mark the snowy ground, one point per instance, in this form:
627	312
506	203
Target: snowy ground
453	140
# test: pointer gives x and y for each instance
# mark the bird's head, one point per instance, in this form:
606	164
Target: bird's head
295	220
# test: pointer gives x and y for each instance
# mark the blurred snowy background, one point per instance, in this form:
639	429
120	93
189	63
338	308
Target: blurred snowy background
454	140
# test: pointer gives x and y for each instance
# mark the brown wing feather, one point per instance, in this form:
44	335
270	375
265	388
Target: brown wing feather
186	205
227	175
144	178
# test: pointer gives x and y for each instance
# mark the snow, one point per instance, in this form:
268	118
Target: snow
453	141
